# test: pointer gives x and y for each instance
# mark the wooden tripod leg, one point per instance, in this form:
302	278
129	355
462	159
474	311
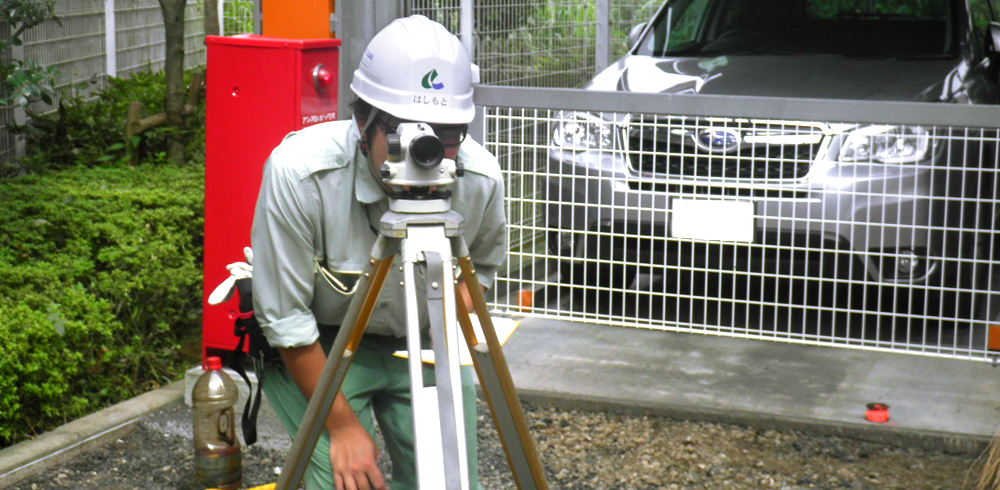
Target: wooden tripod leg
338	360
498	387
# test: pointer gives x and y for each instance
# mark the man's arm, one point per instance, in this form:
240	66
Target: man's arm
464	296
282	237
488	247
352	451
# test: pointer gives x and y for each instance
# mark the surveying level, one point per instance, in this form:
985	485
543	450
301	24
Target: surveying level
422	227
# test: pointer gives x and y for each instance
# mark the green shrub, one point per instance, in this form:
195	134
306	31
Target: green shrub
100	279
90	130
56	365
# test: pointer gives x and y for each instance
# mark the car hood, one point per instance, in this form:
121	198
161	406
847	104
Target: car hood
824	77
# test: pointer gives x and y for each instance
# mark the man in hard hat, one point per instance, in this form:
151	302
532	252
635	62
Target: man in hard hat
316	220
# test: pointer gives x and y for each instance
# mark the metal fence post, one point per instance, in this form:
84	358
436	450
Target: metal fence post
365	20
258	25
603	33
110	43
466	26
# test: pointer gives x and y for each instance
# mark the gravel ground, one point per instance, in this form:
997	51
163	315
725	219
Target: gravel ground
579	450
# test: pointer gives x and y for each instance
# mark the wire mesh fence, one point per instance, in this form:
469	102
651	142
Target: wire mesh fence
446	12
140	37
237	17
623	17
867	235
74	44
549	43
541	44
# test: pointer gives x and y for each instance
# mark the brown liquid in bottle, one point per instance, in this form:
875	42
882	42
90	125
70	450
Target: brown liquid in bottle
217	452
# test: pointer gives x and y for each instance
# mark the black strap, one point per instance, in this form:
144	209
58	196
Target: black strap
260	351
249	428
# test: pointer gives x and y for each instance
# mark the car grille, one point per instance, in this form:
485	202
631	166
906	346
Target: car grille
722	149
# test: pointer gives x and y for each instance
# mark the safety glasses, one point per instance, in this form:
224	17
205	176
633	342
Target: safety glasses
451	135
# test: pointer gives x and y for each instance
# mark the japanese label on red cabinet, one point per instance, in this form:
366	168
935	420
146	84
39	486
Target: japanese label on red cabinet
318	118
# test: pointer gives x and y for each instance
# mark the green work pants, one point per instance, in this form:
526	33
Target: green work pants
377	384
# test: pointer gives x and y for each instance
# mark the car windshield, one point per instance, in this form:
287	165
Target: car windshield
862	28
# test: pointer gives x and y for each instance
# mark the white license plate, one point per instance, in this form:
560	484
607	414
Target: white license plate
716	220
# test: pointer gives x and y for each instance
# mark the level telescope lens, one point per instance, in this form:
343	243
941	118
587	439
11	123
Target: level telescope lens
426	151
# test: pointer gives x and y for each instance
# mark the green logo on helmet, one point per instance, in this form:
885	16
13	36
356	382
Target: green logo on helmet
429	81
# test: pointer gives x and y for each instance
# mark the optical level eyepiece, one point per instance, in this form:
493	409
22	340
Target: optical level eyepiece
427	151
416	157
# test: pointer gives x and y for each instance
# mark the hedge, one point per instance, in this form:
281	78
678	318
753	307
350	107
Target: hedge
100	280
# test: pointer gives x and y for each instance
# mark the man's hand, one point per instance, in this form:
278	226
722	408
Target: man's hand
352	450
355	459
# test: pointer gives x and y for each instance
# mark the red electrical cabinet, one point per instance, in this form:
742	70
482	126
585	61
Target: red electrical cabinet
259	89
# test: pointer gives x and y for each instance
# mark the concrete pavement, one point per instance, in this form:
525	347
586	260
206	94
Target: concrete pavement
933	403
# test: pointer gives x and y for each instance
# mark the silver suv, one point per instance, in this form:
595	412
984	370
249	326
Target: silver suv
795	198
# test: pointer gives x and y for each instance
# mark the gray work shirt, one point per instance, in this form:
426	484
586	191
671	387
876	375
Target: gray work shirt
319	200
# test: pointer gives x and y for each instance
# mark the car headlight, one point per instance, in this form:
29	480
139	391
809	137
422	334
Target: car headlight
581	131
886	144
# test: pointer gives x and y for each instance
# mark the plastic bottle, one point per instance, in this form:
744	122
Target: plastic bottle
217	453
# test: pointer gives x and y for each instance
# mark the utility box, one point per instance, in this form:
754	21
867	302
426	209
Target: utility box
258	89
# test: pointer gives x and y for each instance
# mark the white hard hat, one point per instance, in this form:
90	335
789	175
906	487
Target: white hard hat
415	69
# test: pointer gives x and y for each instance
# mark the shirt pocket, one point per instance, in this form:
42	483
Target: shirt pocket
342	278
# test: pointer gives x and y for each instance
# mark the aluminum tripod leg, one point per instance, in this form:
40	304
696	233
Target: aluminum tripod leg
438	422
339	359
497	384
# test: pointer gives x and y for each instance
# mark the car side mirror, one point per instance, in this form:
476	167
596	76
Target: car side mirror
636	31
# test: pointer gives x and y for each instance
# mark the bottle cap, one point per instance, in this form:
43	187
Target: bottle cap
213	363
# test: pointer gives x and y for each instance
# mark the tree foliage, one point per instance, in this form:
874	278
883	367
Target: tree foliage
24	80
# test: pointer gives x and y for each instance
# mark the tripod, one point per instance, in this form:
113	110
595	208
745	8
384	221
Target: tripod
427	236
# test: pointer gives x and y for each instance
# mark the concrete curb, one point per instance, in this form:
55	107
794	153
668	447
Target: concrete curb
64	443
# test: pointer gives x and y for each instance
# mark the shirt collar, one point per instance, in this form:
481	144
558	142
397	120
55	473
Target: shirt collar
366	188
